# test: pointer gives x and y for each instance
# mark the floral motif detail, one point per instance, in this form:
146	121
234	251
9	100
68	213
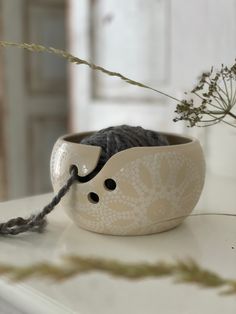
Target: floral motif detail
151	192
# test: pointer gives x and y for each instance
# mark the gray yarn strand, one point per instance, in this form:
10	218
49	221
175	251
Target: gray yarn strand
112	140
37	222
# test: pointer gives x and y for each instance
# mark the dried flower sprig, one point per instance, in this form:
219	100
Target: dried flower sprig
216	92
182	271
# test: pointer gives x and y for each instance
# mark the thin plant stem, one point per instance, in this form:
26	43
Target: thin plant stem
234	98
76	60
231	115
221	98
226	89
217	99
231	90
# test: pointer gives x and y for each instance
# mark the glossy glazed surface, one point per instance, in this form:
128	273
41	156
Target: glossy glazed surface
156	187
211	241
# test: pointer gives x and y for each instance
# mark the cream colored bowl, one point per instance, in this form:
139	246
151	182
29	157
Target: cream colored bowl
141	190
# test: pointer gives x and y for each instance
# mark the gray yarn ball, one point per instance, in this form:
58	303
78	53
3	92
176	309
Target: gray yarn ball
118	138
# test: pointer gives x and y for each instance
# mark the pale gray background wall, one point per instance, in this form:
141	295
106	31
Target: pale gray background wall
164	43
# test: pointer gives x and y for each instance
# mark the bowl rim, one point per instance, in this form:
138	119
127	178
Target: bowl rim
187	139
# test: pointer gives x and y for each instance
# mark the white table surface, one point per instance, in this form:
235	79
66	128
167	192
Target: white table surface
210	240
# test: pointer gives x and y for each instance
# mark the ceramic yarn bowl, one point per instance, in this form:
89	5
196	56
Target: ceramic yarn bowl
153	185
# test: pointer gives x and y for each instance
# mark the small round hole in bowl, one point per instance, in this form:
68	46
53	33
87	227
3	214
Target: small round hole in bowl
110	184
93	198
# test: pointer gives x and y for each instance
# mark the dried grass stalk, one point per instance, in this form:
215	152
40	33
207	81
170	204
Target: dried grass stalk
182	271
69	57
